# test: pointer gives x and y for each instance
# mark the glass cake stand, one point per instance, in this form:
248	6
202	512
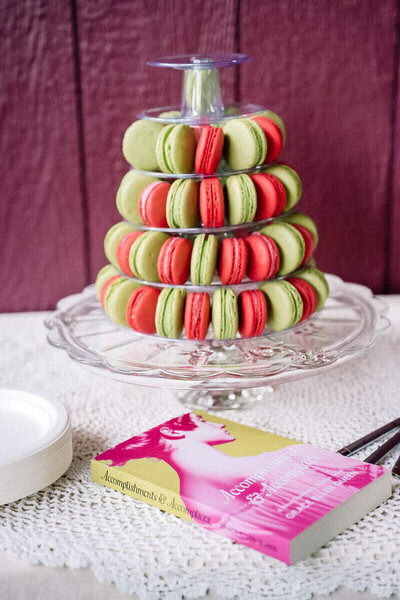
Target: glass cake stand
219	374
215	374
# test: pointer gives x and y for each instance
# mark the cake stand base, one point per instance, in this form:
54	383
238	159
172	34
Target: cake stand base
223	399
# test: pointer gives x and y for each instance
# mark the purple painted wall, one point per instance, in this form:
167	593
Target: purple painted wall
74	76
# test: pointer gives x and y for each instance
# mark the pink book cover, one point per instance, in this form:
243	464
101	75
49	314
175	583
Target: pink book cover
274	494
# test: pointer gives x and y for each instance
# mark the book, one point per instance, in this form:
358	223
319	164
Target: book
277	495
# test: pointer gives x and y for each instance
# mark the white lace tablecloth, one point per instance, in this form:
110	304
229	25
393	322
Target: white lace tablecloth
77	523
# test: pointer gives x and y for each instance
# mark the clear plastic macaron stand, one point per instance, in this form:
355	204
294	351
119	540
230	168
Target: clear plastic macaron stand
215	374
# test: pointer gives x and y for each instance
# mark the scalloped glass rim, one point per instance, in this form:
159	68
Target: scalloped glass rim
241	109
245	284
212	60
347	325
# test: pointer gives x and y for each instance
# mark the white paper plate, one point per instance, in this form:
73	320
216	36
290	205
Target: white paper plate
35	443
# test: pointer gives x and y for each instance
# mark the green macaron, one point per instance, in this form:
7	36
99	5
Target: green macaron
183	203
284	304
304	220
224	314
170	114
290	244
290	181
245	144
103	276
128	195
170	311
116	299
203	262
242	199
139	144
317	279
311	262
176	146
113	237
144	253
276	119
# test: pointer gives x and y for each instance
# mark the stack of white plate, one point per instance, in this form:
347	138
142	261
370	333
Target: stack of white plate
35	443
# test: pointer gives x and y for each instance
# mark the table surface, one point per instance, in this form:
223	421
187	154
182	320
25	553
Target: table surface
18	579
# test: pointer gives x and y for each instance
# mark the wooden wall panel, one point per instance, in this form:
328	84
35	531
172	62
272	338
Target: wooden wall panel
116	40
73	76
42	254
327	69
393	225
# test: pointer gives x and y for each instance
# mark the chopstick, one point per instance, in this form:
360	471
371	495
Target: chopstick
381	452
369	437
396	468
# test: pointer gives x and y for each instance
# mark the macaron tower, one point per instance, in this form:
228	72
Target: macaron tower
210	244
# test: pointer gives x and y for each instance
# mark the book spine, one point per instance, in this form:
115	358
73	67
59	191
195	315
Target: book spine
139	489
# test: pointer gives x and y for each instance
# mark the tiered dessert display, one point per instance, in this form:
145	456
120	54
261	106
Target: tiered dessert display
212	254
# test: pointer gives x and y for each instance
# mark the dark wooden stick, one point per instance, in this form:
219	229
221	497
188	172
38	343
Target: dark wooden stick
370	437
396	468
381	452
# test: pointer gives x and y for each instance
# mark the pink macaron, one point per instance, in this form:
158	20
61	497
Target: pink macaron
212	203
153	202
123	250
263	257
173	264
209	150
141	309
271	196
252	313
274	137
232	261
308	296
308	240
197	315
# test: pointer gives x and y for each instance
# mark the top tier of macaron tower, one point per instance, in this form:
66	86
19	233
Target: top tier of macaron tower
210	246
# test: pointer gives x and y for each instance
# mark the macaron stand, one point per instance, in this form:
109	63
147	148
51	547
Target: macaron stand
215	374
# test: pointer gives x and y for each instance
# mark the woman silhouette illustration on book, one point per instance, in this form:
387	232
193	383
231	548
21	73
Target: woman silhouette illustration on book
250	499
